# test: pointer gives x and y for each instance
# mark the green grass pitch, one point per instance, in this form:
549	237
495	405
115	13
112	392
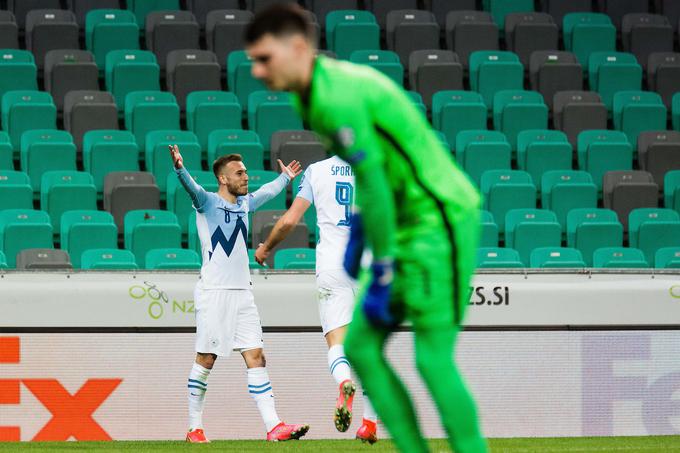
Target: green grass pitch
650	444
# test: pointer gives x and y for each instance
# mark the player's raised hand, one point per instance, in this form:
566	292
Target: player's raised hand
261	254
176	156
292	169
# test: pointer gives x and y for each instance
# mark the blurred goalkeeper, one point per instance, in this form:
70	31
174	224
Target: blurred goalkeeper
419	215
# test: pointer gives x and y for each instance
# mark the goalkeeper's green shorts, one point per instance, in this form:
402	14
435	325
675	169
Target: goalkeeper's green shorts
433	266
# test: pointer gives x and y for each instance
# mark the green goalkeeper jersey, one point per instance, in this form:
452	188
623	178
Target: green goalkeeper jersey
406	179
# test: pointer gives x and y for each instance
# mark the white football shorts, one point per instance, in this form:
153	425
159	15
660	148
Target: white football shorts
337	293
226	320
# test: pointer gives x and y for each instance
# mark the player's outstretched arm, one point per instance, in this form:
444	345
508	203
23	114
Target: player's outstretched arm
198	195
292	169
283	227
272	189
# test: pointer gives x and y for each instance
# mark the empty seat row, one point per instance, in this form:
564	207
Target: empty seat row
623	192
565	257
587	229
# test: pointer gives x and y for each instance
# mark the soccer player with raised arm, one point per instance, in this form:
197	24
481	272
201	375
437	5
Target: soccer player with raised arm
419	213
329	185
226	315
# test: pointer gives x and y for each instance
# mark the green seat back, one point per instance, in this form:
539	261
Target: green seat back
589	229
350	30
501	8
46	150
585	33
504	190
667	258
489	236
172	258
17	71
564	190
455	111
517	110
548	257
140	8
147	111
542	150
269	112
671	190
82	230
619	257
148	229
131	70
26	110
105	151
638	111
478	151
62	191
108	258
6	152
15	190
23	229
110	29
384	61
600	151
240	79
611	72
295	258
498	257
527	229
494	71
235	141
650	229
212	110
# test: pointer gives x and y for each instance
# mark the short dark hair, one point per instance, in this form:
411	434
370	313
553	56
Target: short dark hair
221	161
280	19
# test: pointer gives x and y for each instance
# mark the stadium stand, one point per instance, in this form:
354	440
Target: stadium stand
575	101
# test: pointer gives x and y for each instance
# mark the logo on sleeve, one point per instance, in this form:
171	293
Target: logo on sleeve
345	137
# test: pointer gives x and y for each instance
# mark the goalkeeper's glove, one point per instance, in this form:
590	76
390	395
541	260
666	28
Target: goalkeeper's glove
376	304
355	247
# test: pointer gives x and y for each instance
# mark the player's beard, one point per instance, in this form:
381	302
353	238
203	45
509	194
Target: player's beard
238	189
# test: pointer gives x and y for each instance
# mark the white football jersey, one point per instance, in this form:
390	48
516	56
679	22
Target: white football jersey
223	231
329	185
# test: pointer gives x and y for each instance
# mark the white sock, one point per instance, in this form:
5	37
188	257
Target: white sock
338	363
369	412
198	384
260	388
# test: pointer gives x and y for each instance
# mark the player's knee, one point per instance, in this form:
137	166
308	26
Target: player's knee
361	354
206	360
434	365
255	358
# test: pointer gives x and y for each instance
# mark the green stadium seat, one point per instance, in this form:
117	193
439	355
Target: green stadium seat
62	191
110	29
297	258
589	229
650	229
619	257
83	230
456	111
527	229
384	61
141	8
504	190
310	215
208	111
105	151
17	71
552	257
235	141
501	8
131	70
480	151
676	111
172	258
489	236
417	100
147	111
178	199
497	257
6	152
157	156
23	229
148	229
270	111
517	110
351	30
251	260
15	190
492	71
564	190
667	258
671	190
46	150
258	178
240	79
611	72
600	151
638	111
3	261
585	33
442	138
108	259
27	110
540	151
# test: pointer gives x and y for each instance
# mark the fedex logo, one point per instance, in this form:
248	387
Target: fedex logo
604	384
71	413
